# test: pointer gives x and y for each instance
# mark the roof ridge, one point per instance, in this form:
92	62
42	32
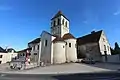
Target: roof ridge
59	13
90	34
90	38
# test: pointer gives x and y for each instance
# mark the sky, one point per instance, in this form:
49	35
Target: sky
21	21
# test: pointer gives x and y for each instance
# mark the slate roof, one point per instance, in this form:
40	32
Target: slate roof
59	14
49	33
90	38
24	50
10	50
37	40
2	50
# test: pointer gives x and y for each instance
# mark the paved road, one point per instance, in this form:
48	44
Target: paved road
81	76
64	69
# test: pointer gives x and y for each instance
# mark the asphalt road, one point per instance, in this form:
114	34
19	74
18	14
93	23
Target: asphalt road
81	76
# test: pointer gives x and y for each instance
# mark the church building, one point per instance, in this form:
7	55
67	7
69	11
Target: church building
59	46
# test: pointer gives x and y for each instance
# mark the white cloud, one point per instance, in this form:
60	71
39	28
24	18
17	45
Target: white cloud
116	13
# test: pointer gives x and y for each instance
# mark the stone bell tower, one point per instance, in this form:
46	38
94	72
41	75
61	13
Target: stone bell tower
59	25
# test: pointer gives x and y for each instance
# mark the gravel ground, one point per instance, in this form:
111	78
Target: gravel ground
66	68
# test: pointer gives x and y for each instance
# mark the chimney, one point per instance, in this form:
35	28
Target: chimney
92	32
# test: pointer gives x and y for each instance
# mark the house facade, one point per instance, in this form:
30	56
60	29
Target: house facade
35	46
6	56
94	45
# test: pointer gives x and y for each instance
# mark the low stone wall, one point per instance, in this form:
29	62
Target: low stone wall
112	58
31	65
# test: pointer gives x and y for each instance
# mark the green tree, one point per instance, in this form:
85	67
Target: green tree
117	48
112	51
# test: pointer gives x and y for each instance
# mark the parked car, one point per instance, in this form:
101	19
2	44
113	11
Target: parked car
88	61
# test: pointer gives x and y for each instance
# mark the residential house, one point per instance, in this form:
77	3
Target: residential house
35	46
5	56
94	45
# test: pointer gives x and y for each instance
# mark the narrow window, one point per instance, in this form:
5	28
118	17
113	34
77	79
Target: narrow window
108	48
66	23
0	62
58	22
103	39
63	46
33	48
1	56
69	44
104	47
38	47
45	42
29	54
63	21
54	23
23	54
66	43
35	53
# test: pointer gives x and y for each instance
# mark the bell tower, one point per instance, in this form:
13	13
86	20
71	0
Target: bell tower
59	25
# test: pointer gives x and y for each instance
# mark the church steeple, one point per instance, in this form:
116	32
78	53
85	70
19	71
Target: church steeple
59	24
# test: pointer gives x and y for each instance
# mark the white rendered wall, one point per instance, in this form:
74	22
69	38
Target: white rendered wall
103	41
71	52
7	57
52	48
46	50
59	53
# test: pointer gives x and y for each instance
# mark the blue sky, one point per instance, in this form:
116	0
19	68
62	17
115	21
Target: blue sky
23	20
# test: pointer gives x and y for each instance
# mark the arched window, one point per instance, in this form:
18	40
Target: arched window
66	23
63	21
58	22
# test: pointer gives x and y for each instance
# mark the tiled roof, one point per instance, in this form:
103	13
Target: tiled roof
59	14
37	40
90	38
68	36
58	39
